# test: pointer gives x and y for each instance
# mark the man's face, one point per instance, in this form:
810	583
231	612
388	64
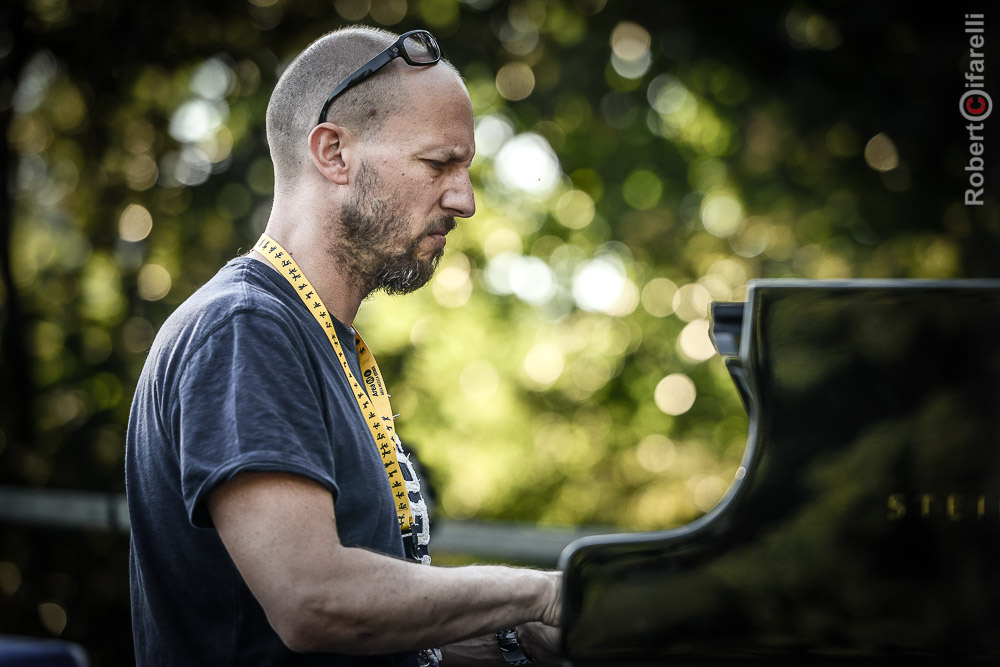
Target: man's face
377	244
410	182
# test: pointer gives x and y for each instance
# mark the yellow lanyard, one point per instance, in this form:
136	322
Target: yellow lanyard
377	416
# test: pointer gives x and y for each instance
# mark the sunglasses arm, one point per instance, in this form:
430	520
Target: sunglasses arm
369	68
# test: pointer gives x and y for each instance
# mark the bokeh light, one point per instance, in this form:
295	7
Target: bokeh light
880	153
135	223
630	55
515	81
527	163
575	209
53	617
601	285
656	453
694	341
153	282
544	364
658	297
675	394
721	214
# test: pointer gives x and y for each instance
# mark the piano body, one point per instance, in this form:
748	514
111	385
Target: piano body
863	525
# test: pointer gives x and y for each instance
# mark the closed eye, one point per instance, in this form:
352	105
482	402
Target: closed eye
436	164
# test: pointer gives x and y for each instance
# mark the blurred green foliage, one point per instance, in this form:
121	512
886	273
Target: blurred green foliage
636	162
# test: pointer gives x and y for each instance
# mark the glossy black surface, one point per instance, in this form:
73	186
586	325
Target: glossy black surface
864	522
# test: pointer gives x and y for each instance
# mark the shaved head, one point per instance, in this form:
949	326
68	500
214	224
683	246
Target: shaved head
308	80
366	196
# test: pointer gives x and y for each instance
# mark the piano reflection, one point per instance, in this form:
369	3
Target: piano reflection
863	524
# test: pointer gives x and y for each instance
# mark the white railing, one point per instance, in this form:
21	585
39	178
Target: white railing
92	510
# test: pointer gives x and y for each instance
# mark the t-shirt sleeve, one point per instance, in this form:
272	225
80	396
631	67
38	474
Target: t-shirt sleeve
248	402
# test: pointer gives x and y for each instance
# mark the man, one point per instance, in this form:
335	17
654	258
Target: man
270	524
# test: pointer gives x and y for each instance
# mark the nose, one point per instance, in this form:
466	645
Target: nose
459	198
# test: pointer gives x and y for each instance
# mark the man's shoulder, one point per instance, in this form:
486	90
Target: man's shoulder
240	288
242	283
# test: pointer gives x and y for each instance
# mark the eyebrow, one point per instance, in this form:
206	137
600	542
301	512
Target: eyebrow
450	154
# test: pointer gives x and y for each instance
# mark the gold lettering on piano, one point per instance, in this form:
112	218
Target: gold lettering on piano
925	504
947	506
897	507
954	507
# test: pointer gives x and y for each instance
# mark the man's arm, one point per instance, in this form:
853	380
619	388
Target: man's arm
319	595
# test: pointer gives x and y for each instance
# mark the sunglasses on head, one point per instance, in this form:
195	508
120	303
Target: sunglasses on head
417	48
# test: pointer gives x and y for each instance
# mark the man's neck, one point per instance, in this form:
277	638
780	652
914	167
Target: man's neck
338	292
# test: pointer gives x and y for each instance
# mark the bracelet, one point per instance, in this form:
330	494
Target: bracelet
429	657
510	647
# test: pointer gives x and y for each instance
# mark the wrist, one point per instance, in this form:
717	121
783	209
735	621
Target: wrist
530	642
551	599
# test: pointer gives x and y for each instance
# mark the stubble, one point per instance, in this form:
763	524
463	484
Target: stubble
372	242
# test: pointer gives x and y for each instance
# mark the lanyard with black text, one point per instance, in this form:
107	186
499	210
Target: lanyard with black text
374	404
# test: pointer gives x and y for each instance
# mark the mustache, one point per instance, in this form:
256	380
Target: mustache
441	225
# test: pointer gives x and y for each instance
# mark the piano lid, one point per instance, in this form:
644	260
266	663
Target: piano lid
864	521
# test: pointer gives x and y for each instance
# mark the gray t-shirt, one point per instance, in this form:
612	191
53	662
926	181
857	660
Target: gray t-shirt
239	378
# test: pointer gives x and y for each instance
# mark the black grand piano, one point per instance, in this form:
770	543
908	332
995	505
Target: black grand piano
863	525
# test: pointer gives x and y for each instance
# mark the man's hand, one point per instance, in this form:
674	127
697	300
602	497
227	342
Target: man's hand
540	641
319	595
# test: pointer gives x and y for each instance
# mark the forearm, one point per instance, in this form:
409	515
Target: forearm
369	603
318	595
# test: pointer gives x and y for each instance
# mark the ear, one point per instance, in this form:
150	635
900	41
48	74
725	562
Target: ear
331	148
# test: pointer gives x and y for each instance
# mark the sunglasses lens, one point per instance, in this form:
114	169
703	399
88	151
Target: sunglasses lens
421	47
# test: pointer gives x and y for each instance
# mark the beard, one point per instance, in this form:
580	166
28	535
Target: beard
372	242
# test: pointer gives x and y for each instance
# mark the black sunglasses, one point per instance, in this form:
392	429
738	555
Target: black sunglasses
417	48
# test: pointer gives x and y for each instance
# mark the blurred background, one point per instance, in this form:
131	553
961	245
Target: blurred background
636	162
